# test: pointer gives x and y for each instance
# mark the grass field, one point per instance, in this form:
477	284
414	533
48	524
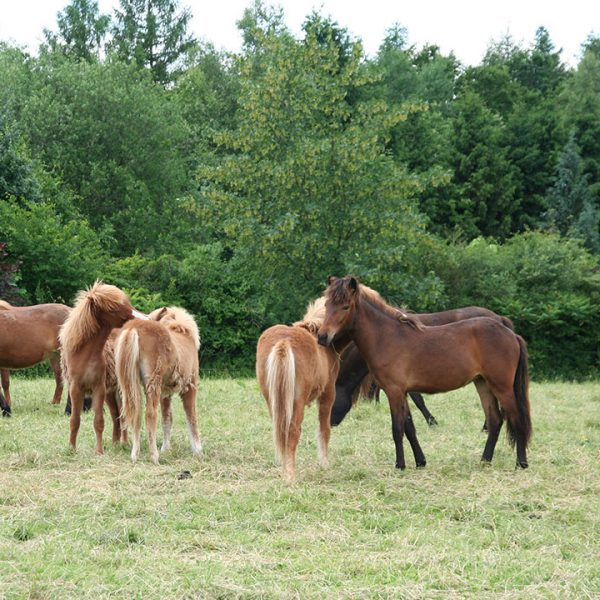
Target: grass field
83	526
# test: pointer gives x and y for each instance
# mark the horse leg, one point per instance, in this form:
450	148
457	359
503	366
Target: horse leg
152	402
420	404
493	418
76	395
167	422
508	402
189	406
98	397
111	401
399	413
5	398
289	459
325	404
55	366
5	376
411	434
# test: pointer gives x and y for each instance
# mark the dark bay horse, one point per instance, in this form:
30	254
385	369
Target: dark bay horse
353	367
28	336
403	355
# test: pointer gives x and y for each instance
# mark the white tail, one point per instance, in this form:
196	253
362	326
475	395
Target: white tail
127	354
281	384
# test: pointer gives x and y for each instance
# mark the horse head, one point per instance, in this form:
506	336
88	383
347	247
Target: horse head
340	308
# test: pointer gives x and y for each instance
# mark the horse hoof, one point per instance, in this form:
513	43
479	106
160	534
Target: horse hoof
401	467
432	421
6	412
421	465
522	465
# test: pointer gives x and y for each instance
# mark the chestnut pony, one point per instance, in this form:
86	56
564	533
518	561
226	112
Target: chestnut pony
28	336
405	355
160	355
354	377
292	370
87	359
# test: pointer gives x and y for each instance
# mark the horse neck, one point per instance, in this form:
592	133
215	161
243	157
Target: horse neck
370	325
98	340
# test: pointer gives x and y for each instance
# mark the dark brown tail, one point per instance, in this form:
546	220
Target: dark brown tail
522	429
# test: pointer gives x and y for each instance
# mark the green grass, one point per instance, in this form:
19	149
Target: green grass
83	526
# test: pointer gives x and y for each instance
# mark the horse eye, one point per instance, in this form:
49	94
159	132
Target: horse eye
346	308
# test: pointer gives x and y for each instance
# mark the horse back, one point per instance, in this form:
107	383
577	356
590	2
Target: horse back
316	366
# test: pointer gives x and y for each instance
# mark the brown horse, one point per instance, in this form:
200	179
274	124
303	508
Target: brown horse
160	355
405	355
292	370
28	336
87	358
354	377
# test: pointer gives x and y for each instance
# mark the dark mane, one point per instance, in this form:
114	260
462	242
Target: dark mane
340	291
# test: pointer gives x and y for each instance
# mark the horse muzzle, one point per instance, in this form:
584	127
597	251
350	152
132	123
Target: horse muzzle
323	339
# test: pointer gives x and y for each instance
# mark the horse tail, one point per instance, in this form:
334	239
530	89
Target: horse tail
127	354
521	429
507	323
281	384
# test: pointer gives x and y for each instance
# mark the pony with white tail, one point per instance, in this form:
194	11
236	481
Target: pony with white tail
160	356
292	371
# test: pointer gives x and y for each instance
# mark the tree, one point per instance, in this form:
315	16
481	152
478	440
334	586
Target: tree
16	170
152	34
581	112
304	183
115	138
571	209
482	198
81	30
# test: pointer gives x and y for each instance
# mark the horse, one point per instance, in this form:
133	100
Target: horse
87	359
353	380
403	354
292	370
160	355
353	367
28	336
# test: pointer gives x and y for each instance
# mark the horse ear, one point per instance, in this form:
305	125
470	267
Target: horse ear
353	284
160	314
331	279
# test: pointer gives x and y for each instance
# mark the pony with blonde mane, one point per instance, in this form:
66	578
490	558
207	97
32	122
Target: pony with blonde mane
160	355
292	370
87	355
28	336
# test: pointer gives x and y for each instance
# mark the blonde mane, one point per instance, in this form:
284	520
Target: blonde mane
314	316
4	305
179	320
82	323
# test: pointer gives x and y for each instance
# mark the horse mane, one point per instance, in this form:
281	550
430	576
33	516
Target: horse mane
339	292
313	317
178	320
4	305
82	323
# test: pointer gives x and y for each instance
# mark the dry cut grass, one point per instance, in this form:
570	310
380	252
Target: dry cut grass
77	526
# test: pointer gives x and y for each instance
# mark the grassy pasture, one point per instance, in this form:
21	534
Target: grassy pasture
77	526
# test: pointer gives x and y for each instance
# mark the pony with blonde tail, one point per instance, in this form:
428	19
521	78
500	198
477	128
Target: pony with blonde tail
159	356
292	370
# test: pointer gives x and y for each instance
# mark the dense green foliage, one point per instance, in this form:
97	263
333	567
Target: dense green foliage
235	184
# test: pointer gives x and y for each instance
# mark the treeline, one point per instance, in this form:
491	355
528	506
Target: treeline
234	184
